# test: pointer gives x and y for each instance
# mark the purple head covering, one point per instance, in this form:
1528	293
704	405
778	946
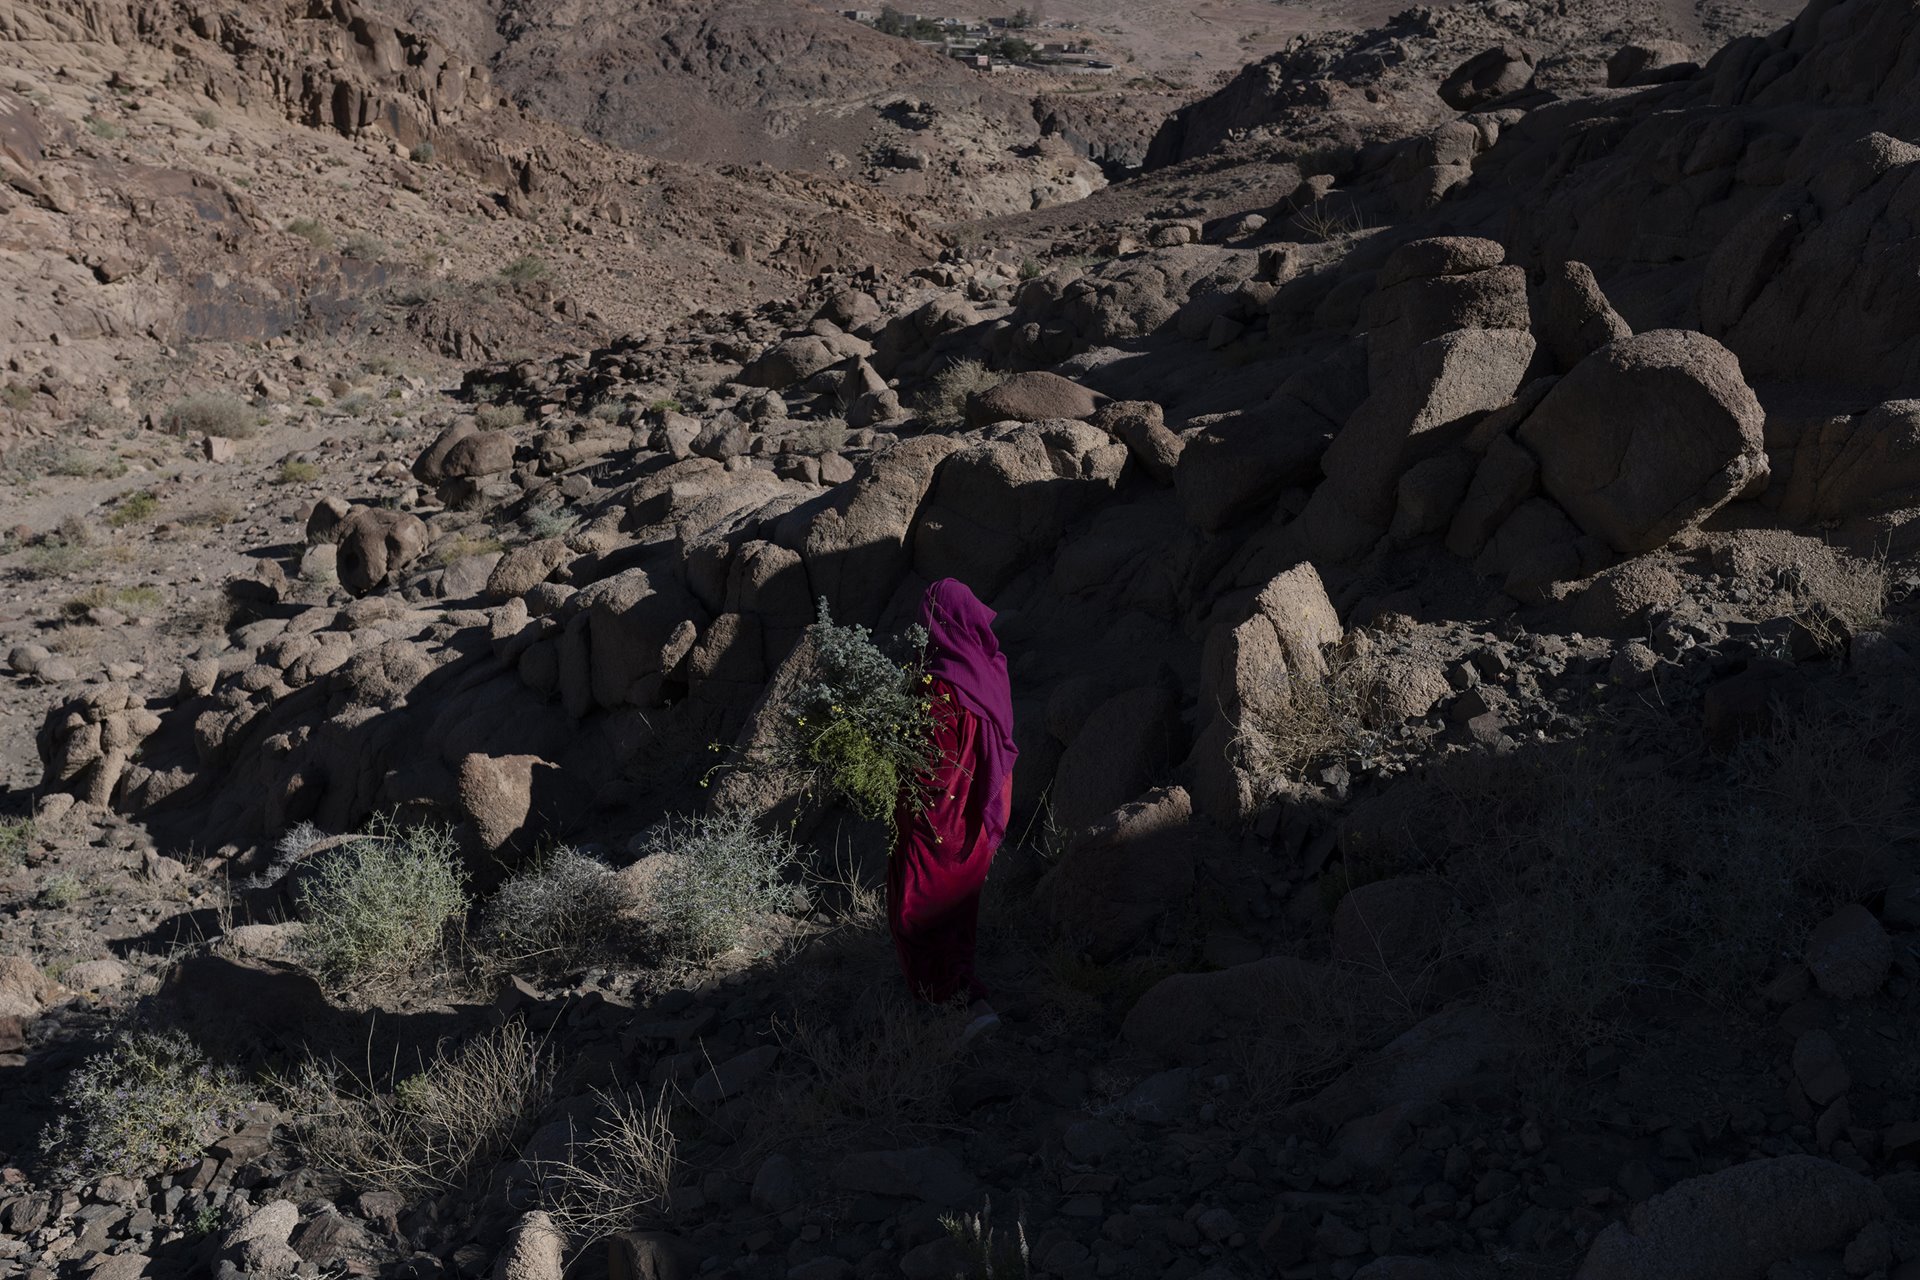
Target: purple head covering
963	651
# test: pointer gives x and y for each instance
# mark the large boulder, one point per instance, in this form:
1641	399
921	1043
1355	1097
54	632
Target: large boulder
1833	464
1575	318
789	361
1032	397
376	546
1246	667
1647	437
535	1250
625	632
1737	1223
1392	924
1000	503
24	990
1180	1015
479	453
497	799
1234	466
1141	425
430	466
1128	741
1645	62
857	550
1426	405
1488	75
1506	476
1428	288
1123	874
1231	465
1445	1055
87	743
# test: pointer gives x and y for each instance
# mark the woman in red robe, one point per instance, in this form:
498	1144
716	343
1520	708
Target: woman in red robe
946	840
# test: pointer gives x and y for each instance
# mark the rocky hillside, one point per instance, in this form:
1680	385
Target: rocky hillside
780	83
173	176
1458	578
1341	87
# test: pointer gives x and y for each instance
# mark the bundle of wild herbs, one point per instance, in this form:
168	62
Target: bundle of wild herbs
864	724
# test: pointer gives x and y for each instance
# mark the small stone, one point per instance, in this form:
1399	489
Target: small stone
735	1074
1092	1140
1870	1251
1160	1098
1850	953
57	670
1818	1067
1217	1224
25	659
776	1187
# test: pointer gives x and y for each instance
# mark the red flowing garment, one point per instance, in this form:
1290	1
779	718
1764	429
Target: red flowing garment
941	856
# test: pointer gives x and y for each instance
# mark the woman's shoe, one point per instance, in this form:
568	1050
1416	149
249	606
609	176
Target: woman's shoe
985	1022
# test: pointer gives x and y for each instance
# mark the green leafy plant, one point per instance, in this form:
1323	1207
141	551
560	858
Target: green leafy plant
147	1103
57	892
378	906
720	874
132	509
16	837
293	471
422	153
863	726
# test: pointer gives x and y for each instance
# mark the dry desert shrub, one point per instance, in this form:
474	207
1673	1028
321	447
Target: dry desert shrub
1297	719
16	839
148	1102
944	404
499	417
436	1128
379	906
210	414
720	874
991	1253
563	913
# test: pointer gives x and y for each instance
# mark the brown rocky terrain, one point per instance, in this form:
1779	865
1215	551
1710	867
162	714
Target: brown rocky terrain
1453	522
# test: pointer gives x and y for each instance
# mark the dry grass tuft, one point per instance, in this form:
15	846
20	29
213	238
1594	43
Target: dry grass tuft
990	1254
1299	719
438	1128
621	1178
944	404
882	1075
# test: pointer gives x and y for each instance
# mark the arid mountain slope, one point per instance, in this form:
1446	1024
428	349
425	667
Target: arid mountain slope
1460	576
778	82
1342	87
